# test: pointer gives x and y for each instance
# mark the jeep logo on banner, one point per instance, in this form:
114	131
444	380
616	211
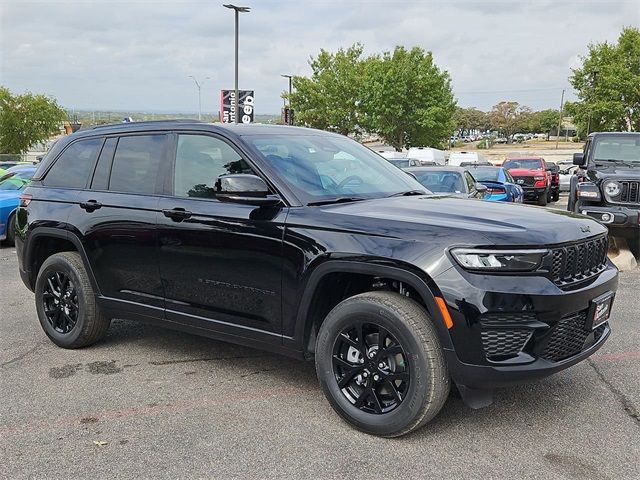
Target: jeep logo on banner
228	105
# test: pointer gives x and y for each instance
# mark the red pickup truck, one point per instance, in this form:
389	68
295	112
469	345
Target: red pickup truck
534	176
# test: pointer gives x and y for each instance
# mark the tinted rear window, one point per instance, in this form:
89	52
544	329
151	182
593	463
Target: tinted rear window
73	167
136	163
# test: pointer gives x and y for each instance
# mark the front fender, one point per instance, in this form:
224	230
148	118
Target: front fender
394	270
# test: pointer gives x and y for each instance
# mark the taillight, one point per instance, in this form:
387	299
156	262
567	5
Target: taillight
25	199
496	191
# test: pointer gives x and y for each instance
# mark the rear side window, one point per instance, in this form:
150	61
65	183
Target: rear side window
73	167
136	163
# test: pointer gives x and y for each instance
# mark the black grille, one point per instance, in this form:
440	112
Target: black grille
502	319
504	342
567	338
526	181
630	192
579	261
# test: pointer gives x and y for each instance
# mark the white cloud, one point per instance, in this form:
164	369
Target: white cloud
138	54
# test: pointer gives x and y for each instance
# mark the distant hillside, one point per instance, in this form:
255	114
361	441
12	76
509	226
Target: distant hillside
91	118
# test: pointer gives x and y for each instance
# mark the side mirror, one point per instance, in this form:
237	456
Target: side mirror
578	159
245	189
481	190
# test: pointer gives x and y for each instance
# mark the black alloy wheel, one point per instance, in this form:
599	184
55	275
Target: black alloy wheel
371	368
380	363
60	301
66	302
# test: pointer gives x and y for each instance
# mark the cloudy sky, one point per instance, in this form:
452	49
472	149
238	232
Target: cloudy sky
138	54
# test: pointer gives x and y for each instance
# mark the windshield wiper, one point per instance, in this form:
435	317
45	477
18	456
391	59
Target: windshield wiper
336	200
619	162
408	193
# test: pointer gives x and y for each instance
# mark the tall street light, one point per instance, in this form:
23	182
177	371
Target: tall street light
199	85
238	10
290	77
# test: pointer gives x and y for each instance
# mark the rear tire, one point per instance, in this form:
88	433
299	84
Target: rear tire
11	230
542	200
555	196
410	362
66	302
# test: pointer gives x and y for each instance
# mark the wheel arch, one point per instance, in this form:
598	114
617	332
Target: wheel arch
46	241
417	280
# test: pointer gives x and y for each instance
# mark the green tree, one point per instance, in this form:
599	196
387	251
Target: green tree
26	120
467	119
328	100
544	121
608	86
406	99
509	118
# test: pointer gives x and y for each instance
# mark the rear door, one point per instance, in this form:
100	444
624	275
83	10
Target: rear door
117	218
220	263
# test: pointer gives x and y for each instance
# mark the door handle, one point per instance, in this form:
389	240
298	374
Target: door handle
90	205
177	214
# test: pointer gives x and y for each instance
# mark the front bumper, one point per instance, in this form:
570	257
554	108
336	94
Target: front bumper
614	216
511	329
533	193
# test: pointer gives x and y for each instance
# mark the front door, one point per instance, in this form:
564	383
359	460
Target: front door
220	263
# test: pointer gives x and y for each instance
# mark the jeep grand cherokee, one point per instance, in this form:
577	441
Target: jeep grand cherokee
306	243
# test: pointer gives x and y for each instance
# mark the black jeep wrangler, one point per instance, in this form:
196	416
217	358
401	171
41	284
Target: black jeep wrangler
306	243
607	185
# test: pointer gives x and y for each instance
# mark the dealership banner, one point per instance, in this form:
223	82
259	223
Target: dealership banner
228	105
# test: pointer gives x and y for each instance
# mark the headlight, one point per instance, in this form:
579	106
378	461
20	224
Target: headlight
500	260
612	188
538	178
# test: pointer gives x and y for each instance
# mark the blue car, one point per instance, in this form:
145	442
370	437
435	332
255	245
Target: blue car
11	185
501	187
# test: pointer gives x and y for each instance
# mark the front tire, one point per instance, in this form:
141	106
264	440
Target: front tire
66	302
11	230
542	200
381	365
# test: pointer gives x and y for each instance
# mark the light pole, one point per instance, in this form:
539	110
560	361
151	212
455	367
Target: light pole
290	77
238	10
199	86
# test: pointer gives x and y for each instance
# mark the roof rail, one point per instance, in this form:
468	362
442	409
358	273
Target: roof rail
147	122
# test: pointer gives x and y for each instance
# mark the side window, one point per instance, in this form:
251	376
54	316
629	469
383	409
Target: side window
101	174
73	167
471	183
200	160
136	163
508	177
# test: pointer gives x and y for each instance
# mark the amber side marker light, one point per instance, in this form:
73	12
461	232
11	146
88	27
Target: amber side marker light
25	200
444	310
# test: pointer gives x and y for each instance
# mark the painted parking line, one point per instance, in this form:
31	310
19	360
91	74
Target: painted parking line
616	356
171	407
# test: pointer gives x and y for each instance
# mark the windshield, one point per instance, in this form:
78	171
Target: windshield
525	163
624	149
399	163
322	168
441	181
486	174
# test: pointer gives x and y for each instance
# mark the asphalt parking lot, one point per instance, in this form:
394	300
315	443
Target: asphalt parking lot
153	403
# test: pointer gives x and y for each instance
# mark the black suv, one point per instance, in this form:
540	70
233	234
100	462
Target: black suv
306	243
607	187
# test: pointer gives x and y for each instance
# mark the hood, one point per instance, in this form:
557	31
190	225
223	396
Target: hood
464	221
526	172
615	173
